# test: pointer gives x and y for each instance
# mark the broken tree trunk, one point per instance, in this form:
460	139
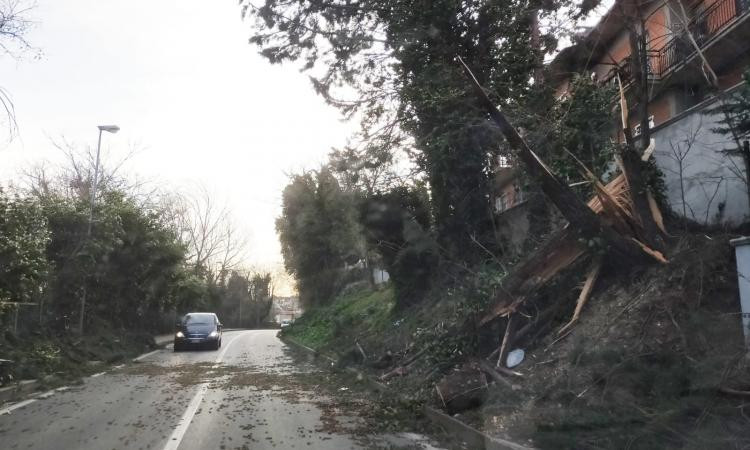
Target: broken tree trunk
562	249
558	252
578	215
588	287
642	212
630	158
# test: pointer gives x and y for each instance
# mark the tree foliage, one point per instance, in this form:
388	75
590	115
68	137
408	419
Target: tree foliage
578	125
396	225
246	299
131	264
136	266
399	58
23	239
319	234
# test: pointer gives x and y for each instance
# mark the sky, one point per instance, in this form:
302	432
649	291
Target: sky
188	92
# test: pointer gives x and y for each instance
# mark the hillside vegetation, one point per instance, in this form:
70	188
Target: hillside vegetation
652	363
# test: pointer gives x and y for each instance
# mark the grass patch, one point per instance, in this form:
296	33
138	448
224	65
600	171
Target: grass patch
362	311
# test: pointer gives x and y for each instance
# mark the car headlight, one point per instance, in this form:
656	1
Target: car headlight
179	334
214	334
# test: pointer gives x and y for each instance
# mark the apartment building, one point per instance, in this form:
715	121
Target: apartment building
704	182
512	220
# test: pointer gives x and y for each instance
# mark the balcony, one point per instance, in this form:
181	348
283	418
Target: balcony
704	27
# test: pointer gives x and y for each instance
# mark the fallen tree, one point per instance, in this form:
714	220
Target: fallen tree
630	231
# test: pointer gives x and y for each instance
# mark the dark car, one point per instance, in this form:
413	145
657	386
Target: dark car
198	330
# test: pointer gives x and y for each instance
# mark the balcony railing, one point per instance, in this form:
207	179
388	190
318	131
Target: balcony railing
702	27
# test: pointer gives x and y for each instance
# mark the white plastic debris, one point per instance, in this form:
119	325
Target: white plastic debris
515	358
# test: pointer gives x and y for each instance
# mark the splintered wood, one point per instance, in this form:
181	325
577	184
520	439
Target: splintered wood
562	249
616	190
588	286
558	252
627	223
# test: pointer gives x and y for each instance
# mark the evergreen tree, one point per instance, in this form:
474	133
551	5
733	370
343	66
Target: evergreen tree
399	58
319	234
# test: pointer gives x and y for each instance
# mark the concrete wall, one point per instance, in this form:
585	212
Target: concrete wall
714	189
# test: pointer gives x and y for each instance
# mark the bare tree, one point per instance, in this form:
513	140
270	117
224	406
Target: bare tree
14	26
215	244
705	184
73	177
679	153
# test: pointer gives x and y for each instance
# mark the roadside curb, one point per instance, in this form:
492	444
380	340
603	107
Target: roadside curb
23	389
474	438
471	436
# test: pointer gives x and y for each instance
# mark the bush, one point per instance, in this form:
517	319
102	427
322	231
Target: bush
396	225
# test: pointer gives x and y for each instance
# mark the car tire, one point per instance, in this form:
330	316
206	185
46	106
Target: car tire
177	348
217	345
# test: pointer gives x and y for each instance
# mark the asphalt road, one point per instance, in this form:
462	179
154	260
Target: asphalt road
250	394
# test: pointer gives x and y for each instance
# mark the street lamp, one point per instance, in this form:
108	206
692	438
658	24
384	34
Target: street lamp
102	128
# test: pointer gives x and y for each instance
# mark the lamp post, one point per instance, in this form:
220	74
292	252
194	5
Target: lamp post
102	128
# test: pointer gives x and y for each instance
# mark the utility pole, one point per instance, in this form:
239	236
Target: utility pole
110	129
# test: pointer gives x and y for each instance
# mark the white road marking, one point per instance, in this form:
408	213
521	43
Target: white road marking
118	367
15	406
97	374
40	396
146	355
47	394
179	432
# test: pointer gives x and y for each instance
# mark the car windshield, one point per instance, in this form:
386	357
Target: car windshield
198	319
